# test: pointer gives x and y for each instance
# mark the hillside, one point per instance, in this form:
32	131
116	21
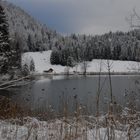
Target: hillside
32	35
116	46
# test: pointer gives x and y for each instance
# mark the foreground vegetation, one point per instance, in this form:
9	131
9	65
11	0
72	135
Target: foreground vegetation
117	123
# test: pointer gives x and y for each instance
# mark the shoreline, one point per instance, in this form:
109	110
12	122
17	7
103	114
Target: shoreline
33	75
88	73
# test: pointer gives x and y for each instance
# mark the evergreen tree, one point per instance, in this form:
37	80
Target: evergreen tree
5	52
55	57
25	70
70	61
16	45
29	43
32	65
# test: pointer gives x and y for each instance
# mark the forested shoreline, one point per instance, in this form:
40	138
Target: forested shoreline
115	46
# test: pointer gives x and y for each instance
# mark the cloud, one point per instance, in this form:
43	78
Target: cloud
81	16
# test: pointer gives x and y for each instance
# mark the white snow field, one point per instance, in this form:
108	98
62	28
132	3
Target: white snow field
42	62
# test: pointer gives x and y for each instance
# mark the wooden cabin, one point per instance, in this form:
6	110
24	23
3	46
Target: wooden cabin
49	71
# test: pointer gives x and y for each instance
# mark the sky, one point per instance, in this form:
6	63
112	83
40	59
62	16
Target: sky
81	16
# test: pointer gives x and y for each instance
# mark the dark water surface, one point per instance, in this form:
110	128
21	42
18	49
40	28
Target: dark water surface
59	91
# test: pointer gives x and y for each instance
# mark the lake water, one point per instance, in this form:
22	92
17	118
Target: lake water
55	92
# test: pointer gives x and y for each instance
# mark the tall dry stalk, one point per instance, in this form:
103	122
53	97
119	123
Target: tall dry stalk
110	118
98	102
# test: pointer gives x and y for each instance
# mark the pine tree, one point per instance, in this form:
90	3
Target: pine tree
5	52
55	57
25	70
70	61
32	66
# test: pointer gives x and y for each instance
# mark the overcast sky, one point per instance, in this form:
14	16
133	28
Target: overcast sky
81	16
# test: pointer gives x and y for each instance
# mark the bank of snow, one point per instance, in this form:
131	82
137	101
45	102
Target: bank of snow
53	130
42	62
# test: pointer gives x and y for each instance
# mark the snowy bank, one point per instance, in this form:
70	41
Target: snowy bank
55	130
42	63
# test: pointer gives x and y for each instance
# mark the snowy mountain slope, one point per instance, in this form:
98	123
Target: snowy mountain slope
33	36
42	62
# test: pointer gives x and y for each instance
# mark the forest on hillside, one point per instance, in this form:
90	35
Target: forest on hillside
28	35
116	46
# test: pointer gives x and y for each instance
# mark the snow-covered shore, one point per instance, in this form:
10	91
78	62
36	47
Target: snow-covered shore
42	63
60	129
55	130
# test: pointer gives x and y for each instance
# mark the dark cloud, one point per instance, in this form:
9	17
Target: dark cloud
81	16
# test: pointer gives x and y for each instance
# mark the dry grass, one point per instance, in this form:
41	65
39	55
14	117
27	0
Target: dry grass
117	124
77	127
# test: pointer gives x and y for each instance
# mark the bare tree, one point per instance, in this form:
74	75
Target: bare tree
98	101
84	67
133	20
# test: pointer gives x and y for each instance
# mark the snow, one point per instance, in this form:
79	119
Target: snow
54	130
42	62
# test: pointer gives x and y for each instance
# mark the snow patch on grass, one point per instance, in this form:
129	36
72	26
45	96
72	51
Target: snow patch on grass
54	130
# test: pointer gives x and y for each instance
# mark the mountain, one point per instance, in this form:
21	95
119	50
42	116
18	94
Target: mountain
31	35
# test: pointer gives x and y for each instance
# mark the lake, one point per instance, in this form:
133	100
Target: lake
55	92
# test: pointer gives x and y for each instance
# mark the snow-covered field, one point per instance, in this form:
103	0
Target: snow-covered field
42	62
